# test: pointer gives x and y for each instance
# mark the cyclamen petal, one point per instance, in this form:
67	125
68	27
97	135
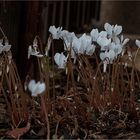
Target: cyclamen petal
116	40
40	87
33	51
117	48
32	86
56	58
90	49
125	42
102	41
56	32
117	29
108	28
137	43
68	38
76	44
102	56
85	42
109	55
36	88
103	34
60	60
94	34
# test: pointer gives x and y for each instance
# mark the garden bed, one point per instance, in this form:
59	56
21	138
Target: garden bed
91	90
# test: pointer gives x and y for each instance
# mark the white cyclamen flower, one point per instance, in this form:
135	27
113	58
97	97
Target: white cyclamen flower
83	45
90	49
36	88
117	48
56	32
6	47
103	42
113	31
107	58
33	51
108	28
117	29
60	60
100	38
68	38
86	41
107	55
94	34
76	45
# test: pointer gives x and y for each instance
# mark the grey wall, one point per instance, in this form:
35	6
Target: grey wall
126	13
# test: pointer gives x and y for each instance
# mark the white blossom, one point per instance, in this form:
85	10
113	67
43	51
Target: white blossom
109	55
90	49
33	51
94	34
60	60
113	31
6	47
68	38
117	48
103	42
83	45
56	32
108	28
36	88
76	44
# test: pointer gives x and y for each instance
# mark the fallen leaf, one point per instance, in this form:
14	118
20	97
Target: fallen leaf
18	132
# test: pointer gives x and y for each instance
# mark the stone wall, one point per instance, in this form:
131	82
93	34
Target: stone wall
125	13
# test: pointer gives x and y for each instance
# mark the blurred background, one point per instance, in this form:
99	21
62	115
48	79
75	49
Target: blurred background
23	20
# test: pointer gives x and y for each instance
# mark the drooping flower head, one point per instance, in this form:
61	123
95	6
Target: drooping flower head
56	32
60	60
4	47
36	88
113	31
83	45
33	50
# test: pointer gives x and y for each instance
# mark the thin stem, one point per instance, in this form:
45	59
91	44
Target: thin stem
46	116
3	32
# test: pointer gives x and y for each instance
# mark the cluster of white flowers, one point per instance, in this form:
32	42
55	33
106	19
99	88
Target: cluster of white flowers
111	42
4	46
81	45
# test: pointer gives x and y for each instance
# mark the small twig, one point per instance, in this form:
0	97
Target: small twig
3	33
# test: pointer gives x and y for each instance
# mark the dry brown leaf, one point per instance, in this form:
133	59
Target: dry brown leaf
18	132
